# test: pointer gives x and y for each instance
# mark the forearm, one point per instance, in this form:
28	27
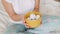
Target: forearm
37	4
16	17
9	9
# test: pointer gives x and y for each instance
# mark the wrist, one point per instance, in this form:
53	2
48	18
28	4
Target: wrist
36	9
16	17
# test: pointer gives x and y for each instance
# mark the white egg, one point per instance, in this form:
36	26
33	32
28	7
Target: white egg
37	17
32	16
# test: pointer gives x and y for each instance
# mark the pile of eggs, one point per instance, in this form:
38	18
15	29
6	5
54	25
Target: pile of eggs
33	17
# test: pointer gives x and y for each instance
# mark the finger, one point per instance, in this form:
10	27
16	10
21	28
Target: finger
27	25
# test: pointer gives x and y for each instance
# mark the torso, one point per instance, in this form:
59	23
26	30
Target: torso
23	6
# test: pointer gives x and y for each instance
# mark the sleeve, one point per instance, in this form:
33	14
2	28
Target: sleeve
9	1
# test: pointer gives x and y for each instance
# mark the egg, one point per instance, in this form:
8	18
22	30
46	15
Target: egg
32	16
37	17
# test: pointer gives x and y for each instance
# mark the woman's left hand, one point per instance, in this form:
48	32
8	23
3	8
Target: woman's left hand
36	9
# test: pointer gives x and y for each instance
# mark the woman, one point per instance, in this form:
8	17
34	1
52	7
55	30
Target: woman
17	8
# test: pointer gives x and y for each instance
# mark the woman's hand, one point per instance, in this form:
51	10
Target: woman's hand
23	19
37	4
36	9
27	25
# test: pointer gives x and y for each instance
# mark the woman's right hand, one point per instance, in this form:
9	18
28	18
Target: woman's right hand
27	25
23	19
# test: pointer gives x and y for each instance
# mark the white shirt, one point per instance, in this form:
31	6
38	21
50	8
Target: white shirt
22	6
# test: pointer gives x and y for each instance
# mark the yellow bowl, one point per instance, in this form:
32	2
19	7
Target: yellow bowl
33	23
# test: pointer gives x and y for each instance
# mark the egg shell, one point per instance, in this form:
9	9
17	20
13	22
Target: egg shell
37	17
32	16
